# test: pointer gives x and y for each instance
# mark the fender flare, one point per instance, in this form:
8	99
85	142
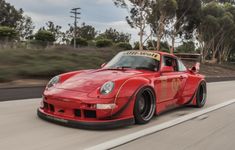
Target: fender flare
145	83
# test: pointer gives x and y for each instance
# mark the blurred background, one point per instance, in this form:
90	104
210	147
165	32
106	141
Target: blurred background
34	50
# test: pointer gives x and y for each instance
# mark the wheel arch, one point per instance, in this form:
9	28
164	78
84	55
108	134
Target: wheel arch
194	100
133	86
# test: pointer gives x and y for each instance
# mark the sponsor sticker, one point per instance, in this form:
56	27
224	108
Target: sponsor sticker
143	53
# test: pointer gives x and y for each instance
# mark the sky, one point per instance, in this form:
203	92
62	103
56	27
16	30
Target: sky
101	14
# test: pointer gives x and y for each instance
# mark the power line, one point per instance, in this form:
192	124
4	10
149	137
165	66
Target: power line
75	14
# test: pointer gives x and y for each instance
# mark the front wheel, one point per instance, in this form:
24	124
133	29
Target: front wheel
145	106
201	95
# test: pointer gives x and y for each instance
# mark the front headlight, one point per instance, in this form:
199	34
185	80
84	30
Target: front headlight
53	81
107	88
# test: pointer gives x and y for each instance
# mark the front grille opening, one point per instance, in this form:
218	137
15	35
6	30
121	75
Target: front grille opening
90	113
77	112
45	105
52	108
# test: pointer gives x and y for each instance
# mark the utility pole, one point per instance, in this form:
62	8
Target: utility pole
75	14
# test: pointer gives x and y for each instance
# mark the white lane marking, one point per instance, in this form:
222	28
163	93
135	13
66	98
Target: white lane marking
133	136
21	100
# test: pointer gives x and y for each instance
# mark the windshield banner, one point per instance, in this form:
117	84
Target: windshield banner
143	53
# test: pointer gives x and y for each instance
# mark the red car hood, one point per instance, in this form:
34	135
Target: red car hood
91	80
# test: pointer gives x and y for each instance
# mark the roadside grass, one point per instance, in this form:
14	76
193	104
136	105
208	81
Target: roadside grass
43	64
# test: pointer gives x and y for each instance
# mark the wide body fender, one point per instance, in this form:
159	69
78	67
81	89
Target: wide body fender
126	95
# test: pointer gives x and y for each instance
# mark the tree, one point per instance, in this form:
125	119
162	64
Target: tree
44	36
162	11
186	47
87	32
115	36
25	27
186	20
9	15
80	42
139	10
7	33
216	31
55	30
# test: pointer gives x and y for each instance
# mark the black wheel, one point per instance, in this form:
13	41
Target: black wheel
201	95
145	106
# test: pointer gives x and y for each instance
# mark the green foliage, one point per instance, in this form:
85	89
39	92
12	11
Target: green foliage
115	36
37	44
7	33
217	30
188	17
45	36
104	43
186	47
87	32
124	46
25	27
9	15
23	63
151	44
55	30
164	46
80	42
136	45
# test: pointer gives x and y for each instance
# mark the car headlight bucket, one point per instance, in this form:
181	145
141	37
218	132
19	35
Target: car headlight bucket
107	88
53	81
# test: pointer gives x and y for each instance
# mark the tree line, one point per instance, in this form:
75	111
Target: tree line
208	23
15	26
203	26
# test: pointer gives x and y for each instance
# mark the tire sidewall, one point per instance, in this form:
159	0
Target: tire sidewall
199	102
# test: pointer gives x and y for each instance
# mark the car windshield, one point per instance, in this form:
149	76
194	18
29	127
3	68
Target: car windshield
135	60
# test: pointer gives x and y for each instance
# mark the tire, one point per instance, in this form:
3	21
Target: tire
145	105
201	95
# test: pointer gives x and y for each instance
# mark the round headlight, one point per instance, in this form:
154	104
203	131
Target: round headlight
53	81
107	88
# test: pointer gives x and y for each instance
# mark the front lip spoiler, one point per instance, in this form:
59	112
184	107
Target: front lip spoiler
109	124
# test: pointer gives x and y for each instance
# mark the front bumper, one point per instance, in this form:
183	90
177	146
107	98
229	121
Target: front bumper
96	125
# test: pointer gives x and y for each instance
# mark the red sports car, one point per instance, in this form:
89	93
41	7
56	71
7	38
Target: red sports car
132	88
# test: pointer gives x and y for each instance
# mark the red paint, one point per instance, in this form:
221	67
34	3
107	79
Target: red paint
80	90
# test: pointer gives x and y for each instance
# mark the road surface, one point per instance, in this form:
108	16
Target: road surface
9	94
21	129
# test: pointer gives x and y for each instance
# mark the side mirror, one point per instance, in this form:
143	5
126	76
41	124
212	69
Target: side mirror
103	65
195	68
167	69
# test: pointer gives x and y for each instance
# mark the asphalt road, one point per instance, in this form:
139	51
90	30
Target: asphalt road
213	131
9	94
21	129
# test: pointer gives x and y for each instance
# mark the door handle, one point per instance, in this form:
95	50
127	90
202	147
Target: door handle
182	77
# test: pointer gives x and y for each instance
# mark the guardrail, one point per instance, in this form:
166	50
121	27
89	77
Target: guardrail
189	57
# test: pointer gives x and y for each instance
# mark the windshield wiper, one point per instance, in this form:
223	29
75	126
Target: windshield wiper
119	68
123	67
144	68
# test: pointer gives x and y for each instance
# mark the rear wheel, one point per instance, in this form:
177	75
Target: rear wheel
145	106
201	95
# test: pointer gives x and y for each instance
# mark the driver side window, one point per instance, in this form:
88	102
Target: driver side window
170	62
182	67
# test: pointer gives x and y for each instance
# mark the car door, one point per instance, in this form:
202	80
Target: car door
170	81
182	71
